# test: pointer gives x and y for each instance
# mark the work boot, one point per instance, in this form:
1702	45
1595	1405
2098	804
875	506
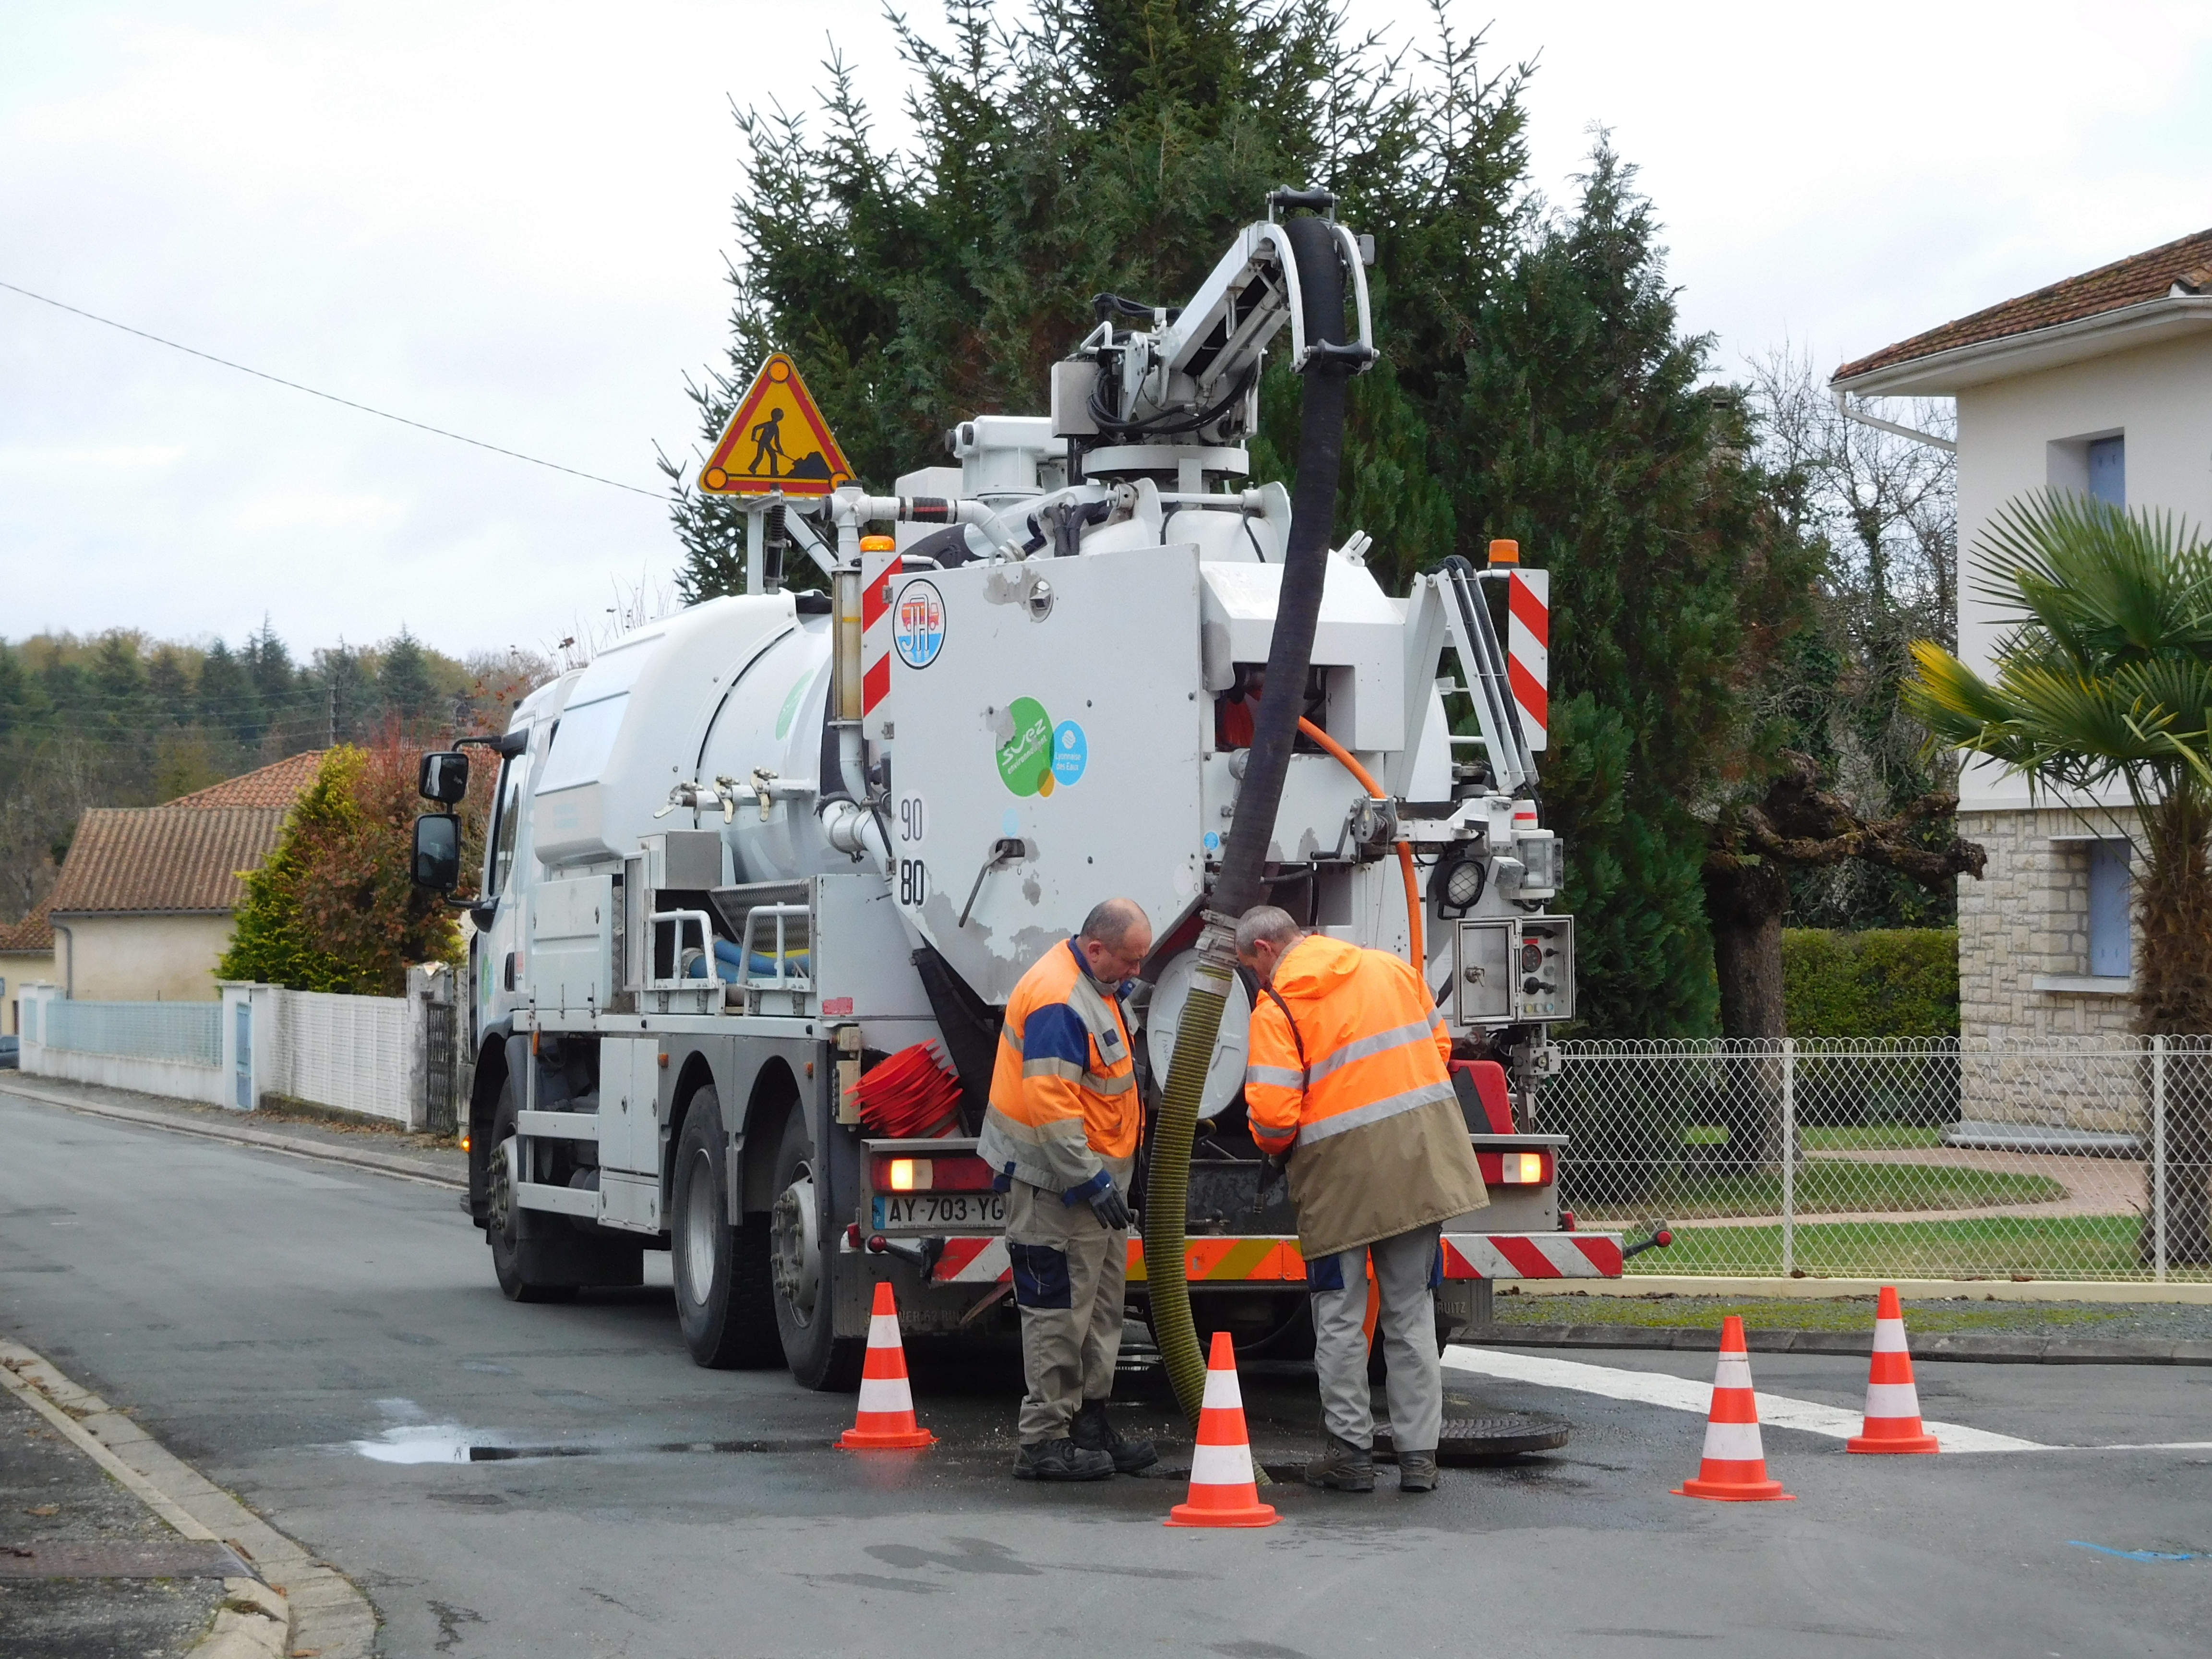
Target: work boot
1091	1432
1417	1471
1342	1466
1061	1460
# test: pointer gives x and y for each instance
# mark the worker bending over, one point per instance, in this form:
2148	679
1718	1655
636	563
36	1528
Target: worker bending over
1062	1133
1347	1079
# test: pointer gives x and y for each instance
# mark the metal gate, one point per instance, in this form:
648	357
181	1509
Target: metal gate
440	1070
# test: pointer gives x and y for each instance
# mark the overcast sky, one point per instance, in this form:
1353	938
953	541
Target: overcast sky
511	221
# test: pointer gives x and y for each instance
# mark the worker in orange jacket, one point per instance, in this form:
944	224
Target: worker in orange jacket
1347	1080
1062	1132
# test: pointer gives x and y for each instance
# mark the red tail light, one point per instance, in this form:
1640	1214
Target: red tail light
956	1172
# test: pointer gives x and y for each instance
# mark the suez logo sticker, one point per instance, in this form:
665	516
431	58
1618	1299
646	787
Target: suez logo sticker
918	624
1034	756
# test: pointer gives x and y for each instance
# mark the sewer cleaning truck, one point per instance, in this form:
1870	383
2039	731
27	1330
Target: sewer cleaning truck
760	856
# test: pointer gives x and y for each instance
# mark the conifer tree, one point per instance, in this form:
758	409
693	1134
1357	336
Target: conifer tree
1535	383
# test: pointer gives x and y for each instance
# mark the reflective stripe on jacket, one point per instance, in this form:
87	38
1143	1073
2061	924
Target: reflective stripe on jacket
1360	1089
1064	1092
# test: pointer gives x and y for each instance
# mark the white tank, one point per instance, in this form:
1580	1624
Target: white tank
700	694
772	719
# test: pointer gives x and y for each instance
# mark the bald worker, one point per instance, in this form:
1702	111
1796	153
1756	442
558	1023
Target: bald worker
1062	1133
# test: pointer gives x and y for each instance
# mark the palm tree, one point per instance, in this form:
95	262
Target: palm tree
2104	679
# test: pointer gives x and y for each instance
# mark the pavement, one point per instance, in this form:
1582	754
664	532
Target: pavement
86	1570
327	1343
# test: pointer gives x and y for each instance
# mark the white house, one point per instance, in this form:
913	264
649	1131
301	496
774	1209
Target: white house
2101	383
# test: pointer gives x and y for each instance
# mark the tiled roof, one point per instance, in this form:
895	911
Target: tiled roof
164	858
272	786
2127	282
33	935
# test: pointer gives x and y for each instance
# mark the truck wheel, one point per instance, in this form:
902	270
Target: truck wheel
721	1270
504	1217
804	1305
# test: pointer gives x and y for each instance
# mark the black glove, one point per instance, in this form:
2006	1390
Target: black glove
1108	1207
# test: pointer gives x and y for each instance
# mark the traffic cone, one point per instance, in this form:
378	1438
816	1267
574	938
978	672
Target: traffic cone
1892	1407
1223	1492
1734	1469
885	1422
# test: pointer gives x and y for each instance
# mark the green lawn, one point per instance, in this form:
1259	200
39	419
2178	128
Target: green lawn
1792	1313
2064	1247
1829	1186
1869	1138
1854	1138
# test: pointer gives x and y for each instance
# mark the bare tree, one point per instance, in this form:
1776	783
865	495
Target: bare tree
1852	805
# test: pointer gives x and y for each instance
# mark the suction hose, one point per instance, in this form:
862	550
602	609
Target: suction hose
1241	883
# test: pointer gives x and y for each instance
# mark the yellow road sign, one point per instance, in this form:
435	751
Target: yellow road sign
776	440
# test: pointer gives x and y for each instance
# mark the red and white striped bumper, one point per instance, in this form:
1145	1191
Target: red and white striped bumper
1276	1261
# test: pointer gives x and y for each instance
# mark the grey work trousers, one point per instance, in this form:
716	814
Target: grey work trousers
1404	1266
1070	1282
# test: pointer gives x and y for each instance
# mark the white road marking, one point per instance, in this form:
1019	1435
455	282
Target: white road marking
1683	1393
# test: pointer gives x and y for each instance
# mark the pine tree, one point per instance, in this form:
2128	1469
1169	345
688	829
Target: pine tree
403	685
228	701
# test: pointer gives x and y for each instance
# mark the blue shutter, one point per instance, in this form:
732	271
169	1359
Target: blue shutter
2108	471
2112	888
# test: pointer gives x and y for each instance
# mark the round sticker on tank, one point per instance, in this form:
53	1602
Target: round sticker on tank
1025	758
918	624
1071	753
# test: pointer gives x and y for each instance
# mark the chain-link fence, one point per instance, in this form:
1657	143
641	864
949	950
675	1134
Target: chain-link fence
2085	1159
187	1033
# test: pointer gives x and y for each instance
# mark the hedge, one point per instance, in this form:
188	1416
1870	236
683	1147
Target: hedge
1880	982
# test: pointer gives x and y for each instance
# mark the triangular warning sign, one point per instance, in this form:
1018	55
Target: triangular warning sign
776	440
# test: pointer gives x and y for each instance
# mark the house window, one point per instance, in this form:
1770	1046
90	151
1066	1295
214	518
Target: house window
2111	889
2108	471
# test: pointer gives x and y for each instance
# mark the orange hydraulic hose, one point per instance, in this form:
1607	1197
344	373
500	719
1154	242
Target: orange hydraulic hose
1419	956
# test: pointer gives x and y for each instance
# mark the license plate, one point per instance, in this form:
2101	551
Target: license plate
943	1210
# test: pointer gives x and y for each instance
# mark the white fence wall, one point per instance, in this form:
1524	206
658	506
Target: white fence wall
172	1049
343	1051
363	1054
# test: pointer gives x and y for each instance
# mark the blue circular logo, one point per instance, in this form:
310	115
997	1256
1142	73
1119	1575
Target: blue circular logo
918	624
1071	753
1213	842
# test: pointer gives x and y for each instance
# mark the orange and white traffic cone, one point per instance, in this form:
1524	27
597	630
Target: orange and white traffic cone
1734	1469
1223	1492
1892	1407
886	1421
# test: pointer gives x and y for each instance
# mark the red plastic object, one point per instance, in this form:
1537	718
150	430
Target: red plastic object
909	1097
1489	1077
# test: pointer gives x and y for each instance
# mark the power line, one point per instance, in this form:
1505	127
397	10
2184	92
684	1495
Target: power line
329	396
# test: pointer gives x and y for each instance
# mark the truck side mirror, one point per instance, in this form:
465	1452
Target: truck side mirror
444	777
437	861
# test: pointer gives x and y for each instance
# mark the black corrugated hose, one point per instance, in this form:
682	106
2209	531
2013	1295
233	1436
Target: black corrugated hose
1241	883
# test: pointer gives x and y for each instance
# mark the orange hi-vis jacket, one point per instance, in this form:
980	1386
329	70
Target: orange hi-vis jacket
1359	1086
1064	1092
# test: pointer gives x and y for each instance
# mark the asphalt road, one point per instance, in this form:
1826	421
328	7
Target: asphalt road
276	1322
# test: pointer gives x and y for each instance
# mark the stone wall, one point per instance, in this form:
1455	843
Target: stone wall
2027	919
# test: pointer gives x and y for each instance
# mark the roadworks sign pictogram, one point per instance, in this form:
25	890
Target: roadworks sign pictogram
777	440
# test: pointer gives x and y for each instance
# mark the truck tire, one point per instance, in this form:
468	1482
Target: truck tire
805	1299
721	1272
503	1219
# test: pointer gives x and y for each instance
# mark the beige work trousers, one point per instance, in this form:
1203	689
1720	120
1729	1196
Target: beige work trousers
1070	1282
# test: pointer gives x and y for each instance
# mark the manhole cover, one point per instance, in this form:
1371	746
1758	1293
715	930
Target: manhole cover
1471	1438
